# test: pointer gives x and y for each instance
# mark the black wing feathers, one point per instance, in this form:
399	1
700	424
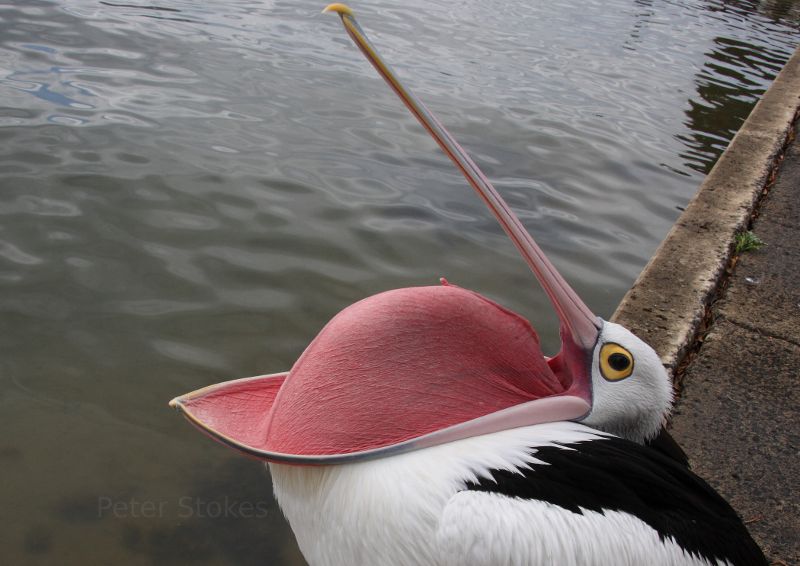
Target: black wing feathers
667	445
618	475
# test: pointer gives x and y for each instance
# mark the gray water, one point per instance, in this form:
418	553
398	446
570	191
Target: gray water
190	190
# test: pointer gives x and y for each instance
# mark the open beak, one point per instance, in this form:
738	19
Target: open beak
415	367
579	326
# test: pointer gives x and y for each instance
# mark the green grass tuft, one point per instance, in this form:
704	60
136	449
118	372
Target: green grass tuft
747	242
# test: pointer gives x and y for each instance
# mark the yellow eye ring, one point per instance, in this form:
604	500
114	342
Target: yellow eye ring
615	362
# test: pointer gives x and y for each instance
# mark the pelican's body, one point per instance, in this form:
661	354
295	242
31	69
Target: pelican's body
424	426
556	494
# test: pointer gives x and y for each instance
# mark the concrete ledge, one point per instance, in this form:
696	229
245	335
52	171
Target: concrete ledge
667	303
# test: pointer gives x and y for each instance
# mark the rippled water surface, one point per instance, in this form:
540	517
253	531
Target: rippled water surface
190	190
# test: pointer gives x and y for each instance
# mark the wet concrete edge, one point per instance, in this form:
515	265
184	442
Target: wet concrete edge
667	303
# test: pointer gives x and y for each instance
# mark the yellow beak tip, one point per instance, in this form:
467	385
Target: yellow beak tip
341	9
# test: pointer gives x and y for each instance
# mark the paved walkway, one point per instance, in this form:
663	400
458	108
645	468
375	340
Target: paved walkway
737	417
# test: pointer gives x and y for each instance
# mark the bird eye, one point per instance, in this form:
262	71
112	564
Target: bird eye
615	362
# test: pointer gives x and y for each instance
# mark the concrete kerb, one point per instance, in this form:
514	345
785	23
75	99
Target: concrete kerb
667	303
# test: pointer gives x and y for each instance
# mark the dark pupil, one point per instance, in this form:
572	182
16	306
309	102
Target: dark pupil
619	362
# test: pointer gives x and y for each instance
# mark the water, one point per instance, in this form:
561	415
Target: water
189	191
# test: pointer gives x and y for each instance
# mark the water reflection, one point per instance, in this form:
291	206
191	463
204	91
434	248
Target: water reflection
731	81
784	11
189	191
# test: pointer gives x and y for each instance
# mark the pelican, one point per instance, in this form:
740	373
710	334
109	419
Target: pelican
424	426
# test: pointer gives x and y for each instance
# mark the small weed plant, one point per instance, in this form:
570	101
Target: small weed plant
748	242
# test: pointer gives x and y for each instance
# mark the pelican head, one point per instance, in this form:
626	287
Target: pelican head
422	366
